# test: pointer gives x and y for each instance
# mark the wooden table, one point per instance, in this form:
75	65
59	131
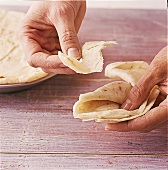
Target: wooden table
38	131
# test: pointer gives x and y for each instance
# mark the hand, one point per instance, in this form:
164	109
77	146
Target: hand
156	117
49	27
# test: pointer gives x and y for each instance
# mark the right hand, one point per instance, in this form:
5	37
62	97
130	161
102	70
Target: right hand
49	27
156	74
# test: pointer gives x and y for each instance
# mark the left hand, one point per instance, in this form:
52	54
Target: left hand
156	117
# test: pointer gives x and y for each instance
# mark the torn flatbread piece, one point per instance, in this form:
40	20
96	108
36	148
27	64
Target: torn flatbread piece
103	104
92	59
128	71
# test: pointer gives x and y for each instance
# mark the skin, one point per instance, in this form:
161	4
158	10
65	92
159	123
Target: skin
156	117
49	27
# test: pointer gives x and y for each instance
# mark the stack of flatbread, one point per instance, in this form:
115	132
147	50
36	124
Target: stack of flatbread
103	104
14	68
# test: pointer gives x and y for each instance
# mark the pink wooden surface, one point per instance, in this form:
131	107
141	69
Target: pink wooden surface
37	129
82	161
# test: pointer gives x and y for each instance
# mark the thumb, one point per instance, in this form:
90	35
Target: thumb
64	24
155	74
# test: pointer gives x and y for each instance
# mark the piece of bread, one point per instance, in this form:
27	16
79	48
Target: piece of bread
92	59
130	72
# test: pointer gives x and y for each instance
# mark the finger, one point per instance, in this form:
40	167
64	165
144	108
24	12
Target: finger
38	57
44	60
80	15
63	21
155	74
59	71
145	123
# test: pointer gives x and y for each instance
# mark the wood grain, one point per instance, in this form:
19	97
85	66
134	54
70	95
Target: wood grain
37	129
140	34
80	161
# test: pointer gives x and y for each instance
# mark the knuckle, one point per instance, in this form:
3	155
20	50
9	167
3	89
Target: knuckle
49	66
61	11
159	71
136	92
69	37
155	68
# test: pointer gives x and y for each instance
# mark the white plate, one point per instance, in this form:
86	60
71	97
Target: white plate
8	88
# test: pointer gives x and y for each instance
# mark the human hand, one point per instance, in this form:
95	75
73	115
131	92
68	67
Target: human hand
156	117
49	27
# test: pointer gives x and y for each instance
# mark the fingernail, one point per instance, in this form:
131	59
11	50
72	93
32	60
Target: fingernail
73	52
126	105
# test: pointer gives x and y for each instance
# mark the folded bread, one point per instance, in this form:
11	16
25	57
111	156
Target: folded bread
13	64
130	72
92	59
103	104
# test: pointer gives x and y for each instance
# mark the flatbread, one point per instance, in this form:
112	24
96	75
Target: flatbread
2	13
92	59
128	71
13	64
103	104
10	20
107	97
106	107
7	45
15	69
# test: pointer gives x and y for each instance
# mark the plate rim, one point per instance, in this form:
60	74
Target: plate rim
50	75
